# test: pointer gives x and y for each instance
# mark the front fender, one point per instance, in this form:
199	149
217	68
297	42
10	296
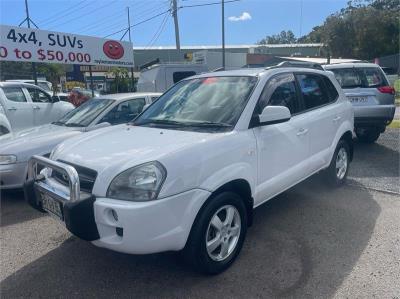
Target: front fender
230	173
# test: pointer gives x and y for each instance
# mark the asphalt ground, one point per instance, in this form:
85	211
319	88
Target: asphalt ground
309	242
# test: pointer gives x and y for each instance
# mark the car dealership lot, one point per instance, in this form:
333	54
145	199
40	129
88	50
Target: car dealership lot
310	241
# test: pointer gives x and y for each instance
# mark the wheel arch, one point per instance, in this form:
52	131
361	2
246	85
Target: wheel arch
348	137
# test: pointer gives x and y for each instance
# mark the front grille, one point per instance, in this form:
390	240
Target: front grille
87	177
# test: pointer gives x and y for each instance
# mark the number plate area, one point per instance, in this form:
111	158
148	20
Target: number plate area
52	205
362	100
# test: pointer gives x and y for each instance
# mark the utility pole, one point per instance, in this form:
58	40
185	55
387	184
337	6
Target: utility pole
28	20
133	56
223	33
175	15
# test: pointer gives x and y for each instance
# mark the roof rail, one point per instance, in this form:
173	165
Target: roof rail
302	64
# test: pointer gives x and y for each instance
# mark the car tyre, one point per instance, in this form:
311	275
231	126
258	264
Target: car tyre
213	246
337	171
368	135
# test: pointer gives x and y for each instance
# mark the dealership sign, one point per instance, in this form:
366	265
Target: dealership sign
33	45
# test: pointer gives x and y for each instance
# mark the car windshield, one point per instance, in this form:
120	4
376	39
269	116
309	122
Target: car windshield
84	114
211	103
367	77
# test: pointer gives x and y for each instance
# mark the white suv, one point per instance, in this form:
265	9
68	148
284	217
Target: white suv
188	172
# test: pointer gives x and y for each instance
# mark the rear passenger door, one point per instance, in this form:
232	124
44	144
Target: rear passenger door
282	148
18	108
323	115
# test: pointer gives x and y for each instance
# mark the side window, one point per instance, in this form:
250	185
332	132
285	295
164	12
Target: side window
333	93
313	90
39	96
14	94
178	76
280	91
124	112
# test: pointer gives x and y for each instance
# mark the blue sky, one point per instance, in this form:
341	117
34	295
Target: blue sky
198	26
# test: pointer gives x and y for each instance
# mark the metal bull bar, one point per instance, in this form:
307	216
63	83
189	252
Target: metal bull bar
68	170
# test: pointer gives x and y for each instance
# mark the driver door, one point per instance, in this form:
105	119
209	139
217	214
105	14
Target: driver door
282	148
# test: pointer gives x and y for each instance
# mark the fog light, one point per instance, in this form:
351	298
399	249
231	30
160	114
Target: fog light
119	231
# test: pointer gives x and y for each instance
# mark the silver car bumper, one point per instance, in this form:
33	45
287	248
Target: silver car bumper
372	115
12	176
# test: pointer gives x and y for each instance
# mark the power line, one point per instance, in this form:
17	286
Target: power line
158	32
67	12
207	4
141	22
84	15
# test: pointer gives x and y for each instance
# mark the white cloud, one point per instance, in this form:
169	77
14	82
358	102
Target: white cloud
243	17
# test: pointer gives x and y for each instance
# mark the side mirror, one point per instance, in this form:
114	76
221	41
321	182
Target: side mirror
55	99
274	115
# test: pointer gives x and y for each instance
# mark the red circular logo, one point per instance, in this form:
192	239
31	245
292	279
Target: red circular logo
113	49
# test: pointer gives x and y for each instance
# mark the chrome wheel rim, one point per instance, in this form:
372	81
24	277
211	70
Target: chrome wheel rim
223	233
341	163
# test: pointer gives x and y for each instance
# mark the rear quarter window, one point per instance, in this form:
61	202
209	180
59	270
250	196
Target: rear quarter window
331	89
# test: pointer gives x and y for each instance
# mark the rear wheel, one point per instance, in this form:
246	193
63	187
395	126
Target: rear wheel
337	171
218	234
369	135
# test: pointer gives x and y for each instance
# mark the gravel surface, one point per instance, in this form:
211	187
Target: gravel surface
309	242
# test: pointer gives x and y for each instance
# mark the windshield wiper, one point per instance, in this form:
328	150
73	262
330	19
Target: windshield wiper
161	122
58	123
74	125
209	124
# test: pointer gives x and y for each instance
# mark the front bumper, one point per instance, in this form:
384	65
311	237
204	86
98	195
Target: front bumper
12	176
375	115
124	226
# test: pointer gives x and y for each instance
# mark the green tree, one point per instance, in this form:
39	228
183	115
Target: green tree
285	37
53	73
121	79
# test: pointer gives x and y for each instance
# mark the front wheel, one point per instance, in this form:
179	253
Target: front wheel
337	171
369	135
218	234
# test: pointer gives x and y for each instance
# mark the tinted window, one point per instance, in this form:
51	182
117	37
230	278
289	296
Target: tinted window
360	77
39	96
14	94
124	112
333	93
313	90
372	77
347	78
178	76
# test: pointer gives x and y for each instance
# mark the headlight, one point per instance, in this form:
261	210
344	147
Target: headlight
140	183
7	159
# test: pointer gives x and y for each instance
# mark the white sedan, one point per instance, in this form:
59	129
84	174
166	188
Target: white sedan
17	148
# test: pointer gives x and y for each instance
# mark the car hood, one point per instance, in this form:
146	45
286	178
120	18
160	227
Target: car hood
35	141
114	149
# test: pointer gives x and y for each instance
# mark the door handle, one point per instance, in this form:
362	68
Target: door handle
301	132
337	118
12	109
36	107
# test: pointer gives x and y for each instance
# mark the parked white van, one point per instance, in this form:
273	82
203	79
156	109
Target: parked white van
160	77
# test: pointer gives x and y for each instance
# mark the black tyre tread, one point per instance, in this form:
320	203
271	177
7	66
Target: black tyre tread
330	172
195	253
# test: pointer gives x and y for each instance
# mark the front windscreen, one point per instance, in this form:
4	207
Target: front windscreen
203	103
84	114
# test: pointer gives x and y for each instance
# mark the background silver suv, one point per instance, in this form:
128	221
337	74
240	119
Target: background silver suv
368	89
